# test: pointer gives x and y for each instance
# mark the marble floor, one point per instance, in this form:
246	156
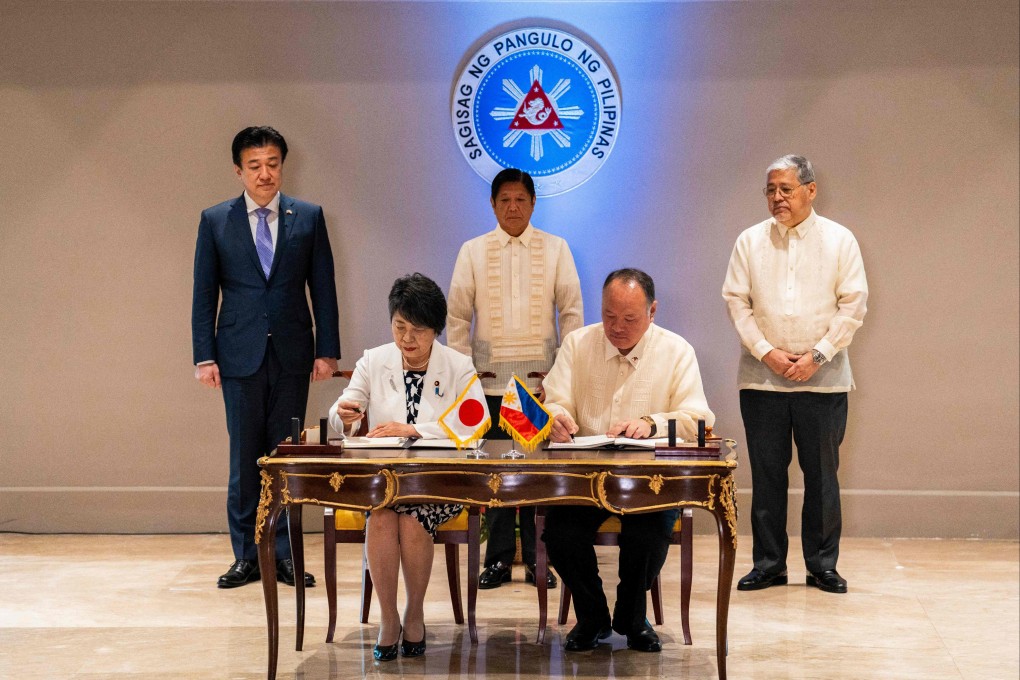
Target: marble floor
132	607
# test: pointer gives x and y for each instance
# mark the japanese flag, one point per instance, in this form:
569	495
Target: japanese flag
468	418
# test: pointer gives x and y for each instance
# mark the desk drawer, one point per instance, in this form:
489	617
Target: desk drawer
496	489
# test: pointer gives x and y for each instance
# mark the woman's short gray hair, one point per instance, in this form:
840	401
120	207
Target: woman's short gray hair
805	173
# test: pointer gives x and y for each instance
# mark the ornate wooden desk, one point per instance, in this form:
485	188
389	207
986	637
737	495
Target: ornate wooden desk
364	479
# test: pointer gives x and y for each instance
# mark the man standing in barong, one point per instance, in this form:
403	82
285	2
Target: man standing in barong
519	287
796	292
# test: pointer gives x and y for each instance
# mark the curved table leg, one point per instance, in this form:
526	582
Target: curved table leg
541	574
686	571
329	539
297	554
474	532
727	556
265	537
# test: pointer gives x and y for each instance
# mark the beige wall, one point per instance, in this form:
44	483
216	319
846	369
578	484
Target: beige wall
117	119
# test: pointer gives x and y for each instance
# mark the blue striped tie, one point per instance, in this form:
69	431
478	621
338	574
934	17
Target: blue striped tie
264	240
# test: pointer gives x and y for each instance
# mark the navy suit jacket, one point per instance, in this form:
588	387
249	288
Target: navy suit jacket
228	272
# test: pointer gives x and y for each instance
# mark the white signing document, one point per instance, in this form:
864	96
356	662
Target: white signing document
601	441
404	443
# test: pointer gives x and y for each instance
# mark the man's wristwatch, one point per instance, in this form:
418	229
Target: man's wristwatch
651	424
818	357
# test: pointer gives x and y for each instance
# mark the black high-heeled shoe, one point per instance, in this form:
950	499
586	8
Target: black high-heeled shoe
413	648
387	652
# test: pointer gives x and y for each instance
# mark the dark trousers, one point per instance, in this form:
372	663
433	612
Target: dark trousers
816	422
259	408
502	522
644	542
502	543
495	432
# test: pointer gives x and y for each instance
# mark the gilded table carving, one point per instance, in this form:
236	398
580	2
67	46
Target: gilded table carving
621	482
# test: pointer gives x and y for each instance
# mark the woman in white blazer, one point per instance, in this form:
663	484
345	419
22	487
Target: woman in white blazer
404	387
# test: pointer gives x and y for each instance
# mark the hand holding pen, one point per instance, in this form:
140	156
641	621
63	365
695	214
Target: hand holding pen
563	428
350	412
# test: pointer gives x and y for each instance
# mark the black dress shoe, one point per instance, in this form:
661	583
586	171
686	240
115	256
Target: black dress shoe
413	648
285	574
240	573
529	576
830	581
585	636
641	638
387	652
494	576
757	579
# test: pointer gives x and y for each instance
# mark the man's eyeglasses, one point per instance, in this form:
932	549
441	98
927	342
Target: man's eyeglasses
783	191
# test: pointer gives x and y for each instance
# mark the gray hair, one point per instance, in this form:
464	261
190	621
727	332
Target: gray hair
805	173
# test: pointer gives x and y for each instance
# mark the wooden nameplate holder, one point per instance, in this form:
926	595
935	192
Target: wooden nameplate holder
708	446
287	449
324	447
710	451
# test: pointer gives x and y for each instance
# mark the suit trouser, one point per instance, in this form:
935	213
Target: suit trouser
816	422
259	408
644	542
502	543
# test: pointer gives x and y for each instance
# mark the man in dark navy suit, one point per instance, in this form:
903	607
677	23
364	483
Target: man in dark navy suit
255	256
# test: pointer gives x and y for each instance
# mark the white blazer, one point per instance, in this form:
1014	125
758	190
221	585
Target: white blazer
378	381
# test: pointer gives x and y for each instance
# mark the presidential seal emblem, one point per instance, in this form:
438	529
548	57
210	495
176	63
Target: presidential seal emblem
540	99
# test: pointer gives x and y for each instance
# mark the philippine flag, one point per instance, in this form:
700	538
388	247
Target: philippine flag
523	416
467	419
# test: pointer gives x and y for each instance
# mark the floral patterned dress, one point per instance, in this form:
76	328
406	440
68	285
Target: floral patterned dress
429	515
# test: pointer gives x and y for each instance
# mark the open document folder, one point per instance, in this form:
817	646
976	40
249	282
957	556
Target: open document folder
405	443
601	441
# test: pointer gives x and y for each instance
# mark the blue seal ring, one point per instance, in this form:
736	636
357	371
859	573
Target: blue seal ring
539	99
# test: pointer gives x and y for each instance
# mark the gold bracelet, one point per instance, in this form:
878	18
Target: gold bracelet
651	424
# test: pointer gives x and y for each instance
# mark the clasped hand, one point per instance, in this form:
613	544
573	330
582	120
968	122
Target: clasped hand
795	367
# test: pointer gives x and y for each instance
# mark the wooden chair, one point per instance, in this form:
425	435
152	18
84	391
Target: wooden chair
348	526
609	534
